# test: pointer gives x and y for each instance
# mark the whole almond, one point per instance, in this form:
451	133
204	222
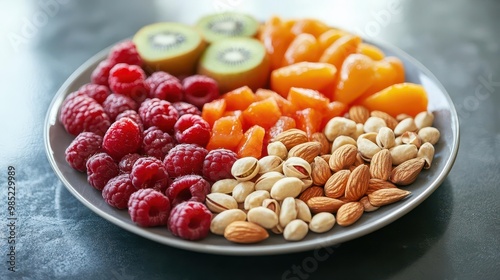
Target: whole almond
357	184
349	213
377	184
367	205
381	165
291	138
320	171
387	196
336	184
324	204
323	141
343	157
245	232
407	172
311	192
308	151
390	121
359	114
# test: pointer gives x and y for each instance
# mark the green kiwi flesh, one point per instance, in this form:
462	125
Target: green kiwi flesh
216	27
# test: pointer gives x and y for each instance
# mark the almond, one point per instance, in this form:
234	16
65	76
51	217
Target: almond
323	141
377	184
359	114
390	121
336	184
381	165
357	184
245	232
320	171
311	192
367	205
291	138
349	213
307	151
324	204
343	157
387	196
407	172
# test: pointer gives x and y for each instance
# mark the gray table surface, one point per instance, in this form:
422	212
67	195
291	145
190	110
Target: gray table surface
454	234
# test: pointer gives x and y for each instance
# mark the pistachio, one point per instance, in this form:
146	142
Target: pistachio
255	199
341	141
286	187
278	149
272	204
374	124
388	119
429	134
339	126
296	230
405	125
401	117
322	222
403	153
360	129
242	190
424	119
263	217
398	141
385	138
426	152
306	183
411	138
223	219
320	171
270	163
267	180
244	169
366	145
303	211
288	211
297	167
219	202
224	186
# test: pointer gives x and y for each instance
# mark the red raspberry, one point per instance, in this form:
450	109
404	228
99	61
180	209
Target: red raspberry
149	173
133	115
81	113
118	190
100	74
200	89
128	80
157	78
100	168
165	87
192	129
149	208
188	188
156	142
98	92
125	52
217	164
160	113
186	108
81	148
118	103
127	162
123	137
185	159
190	220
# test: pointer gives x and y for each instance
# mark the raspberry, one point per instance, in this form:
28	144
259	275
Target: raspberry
188	188
81	113
125	52
185	159
149	173
160	113
156	143
118	191
128	80
81	148
149	208
190	220
95	91
164	86
200	89
127	161
186	108
123	137
217	164
100	168
133	115
192	129
118	103
100	74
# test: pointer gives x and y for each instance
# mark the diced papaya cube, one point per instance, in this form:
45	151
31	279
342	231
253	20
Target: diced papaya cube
238	114
227	132
308	120
239	99
213	110
286	107
304	98
250	144
334	109
264	113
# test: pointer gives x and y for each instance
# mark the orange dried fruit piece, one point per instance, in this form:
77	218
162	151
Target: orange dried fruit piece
337	52
213	110
388	71
250	144
356	75
304	47
371	51
403	98
328	37
239	99
308	120
334	109
227	132
312	75
238	114
286	107
307	25
304	98
276	38
264	113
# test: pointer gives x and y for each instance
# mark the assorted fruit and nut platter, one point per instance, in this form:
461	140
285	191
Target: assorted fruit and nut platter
245	129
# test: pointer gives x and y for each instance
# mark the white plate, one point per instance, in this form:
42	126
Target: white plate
446	120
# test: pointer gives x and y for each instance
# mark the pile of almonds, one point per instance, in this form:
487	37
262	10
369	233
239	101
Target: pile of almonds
356	165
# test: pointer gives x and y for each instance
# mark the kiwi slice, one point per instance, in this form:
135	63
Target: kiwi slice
235	62
171	47
216	27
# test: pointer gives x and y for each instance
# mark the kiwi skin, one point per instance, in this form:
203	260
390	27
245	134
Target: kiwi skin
254	78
